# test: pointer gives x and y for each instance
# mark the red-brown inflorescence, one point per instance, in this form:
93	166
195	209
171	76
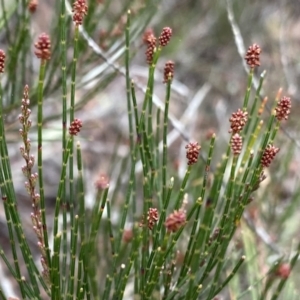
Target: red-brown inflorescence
238	120
168	71
192	152
127	235
30	184
32	5
252	56
268	155
152	217
102	182
283	270
165	36
176	220
151	45
261	178
43	47
75	127
283	108
2	61
148	34
236	144
79	10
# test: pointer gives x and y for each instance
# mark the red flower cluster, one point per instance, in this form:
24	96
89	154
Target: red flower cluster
175	220
236	144
252	56
2	61
32	5
168	71
43	47
75	127
79	11
151	44
152	217
238	121
102	182
283	108
192	152
165	36
268	155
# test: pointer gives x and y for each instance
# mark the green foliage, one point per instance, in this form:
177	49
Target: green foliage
174	238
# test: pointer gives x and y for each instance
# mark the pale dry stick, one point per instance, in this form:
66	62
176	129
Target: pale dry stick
283	45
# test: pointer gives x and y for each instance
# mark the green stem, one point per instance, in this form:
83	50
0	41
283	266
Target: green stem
40	157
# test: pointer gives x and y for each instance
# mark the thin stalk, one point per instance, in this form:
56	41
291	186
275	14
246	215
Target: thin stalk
255	104
119	291
165	134
72	112
222	242
17	271
231	275
63	59
81	196
26	288
62	182
74	240
196	240
128	84
71	167
40	157
4	17
159	230
284	280
55	271
248	90
158	158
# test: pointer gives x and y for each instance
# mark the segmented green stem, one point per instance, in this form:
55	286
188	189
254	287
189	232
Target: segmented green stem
55	272
74	242
248	90
63	59
165	134
40	157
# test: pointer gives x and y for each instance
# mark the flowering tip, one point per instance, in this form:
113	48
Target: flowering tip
102	182
151	45
79	10
148	35
236	144
175	220
43	47
75	127
237	121
127	235
32	5
283	271
283	108
252	56
165	36
2	61
168	71
192	152
152	217
268	155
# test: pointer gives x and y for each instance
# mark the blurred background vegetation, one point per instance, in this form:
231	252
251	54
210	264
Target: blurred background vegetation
209	84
